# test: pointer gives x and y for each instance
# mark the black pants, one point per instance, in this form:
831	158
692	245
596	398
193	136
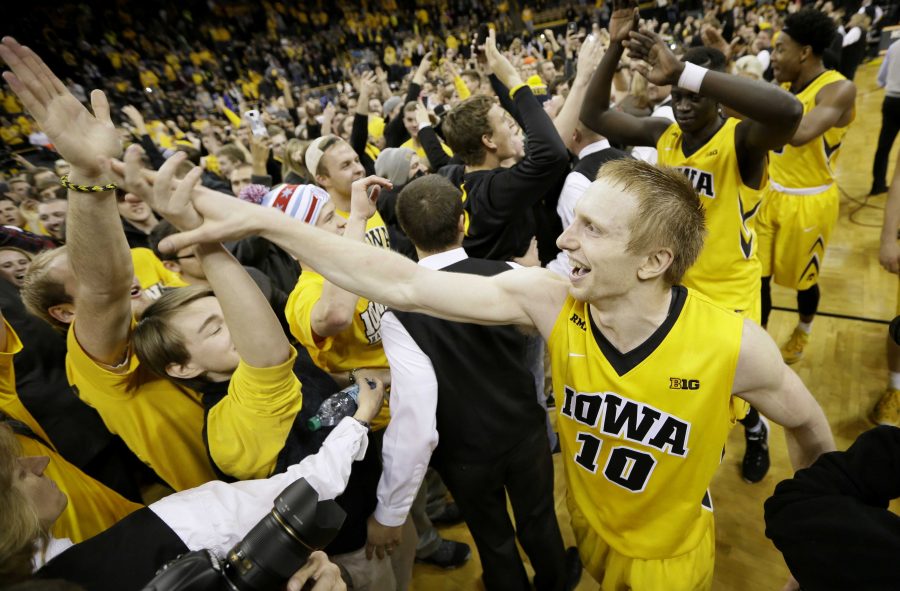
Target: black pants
890	125
525	473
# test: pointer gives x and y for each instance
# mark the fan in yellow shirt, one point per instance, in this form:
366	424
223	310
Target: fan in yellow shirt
92	506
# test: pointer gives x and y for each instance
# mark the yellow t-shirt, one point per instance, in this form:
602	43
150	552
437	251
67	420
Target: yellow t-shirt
92	506
358	346
152	274
642	433
727	270
159	421
811	165
247	429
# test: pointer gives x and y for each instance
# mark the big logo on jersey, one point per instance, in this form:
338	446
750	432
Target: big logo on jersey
617	417
704	182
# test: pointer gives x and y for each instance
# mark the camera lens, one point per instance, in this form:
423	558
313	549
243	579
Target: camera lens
282	541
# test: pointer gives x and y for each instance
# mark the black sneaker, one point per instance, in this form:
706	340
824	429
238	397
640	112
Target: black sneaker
449	555
756	454
573	568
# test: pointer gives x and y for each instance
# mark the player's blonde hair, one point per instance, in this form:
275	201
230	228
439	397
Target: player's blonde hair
42	289
670	214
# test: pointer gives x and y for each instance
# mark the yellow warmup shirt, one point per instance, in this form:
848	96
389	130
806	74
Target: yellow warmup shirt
152	274
810	167
642	433
159	421
358	346
247	429
728	270
92	506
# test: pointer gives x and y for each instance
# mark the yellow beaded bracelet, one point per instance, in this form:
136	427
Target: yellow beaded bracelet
65	182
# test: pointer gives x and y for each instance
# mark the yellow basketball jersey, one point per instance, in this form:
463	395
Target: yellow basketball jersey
642	433
727	270
810	166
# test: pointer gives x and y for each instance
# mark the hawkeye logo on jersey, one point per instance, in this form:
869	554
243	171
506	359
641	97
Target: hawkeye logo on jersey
703	181
619	417
683	384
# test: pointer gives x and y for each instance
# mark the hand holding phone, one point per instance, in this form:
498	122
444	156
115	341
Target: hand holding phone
256	124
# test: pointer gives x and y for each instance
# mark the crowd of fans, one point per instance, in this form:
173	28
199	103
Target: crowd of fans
296	107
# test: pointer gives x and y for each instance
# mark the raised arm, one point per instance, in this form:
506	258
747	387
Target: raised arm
772	113
528	297
93	229
255	330
834	108
596	114
336	308
589	57
763	380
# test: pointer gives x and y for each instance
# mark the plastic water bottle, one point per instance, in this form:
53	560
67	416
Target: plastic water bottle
335	407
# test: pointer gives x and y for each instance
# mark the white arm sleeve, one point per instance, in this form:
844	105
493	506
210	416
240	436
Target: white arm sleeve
412	434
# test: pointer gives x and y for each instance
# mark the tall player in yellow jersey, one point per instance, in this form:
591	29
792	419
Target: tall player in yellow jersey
801	205
724	158
648	372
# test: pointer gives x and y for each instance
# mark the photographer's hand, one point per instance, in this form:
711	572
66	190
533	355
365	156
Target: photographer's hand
325	574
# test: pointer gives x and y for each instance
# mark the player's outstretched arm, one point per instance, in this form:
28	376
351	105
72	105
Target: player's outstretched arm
763	380
834	107
528	297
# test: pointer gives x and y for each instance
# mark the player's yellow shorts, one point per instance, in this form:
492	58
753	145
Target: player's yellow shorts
692	571
754	310
793	231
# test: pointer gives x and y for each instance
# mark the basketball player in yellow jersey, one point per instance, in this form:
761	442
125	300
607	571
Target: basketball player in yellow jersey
648	372
801	205
724	158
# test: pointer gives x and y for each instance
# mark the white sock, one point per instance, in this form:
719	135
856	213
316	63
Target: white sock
895	380
805	326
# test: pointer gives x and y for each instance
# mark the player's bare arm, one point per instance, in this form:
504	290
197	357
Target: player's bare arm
527	297
763	380
834	108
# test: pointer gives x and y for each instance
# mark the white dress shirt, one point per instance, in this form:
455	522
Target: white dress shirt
412	435
575	186
217	515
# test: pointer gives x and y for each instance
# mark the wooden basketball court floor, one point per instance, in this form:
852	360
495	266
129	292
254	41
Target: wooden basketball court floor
844	367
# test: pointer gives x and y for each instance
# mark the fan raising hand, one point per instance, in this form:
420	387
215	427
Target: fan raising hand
80	137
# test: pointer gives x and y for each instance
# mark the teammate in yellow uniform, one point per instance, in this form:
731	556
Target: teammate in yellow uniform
801	205
639	428
92	507
725	160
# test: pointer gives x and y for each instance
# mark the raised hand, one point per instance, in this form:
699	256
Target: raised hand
624	20
80	137
366	86
589	57
423	69
652	58
364	194
422	116
167	196
498	63
712	37
136	118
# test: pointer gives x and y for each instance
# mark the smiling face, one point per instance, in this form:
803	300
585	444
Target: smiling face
52	215
132	208
502	132
13	265
330	221
597	243
787	58
338	168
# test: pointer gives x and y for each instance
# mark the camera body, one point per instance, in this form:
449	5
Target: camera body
268	555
